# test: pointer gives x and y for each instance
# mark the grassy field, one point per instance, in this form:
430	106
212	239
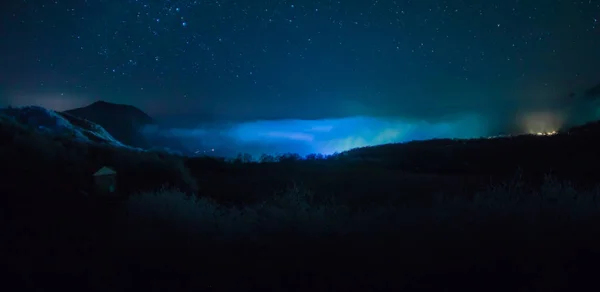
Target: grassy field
518	214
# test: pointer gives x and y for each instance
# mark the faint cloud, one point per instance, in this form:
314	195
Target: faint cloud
54	101
321	129
290	135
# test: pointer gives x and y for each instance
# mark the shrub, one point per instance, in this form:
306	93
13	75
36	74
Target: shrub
295	214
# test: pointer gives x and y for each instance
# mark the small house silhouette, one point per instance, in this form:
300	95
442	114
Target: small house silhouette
105	181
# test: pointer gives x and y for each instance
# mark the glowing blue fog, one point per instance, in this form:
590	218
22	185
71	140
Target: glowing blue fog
319	136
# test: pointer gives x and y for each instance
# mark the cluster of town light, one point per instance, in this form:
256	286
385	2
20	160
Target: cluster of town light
544	123
546	133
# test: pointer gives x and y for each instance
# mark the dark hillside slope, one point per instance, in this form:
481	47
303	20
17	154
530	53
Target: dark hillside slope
570	154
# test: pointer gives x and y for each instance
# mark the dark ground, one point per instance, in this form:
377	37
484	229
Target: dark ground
476	215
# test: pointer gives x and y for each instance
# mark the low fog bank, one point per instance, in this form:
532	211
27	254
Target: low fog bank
325	136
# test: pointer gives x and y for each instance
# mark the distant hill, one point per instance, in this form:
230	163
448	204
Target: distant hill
572	154
124	122
127	124
53	123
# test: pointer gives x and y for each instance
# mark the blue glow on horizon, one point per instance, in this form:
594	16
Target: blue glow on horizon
325	136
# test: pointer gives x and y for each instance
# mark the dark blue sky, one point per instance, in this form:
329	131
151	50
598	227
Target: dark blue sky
254	59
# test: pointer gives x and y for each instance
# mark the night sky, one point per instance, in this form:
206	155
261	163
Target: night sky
244	60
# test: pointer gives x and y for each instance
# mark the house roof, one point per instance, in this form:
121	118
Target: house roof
105	171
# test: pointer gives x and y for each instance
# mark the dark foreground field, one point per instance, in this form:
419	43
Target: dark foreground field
515	214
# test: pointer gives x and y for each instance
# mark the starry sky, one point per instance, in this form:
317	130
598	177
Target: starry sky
191	60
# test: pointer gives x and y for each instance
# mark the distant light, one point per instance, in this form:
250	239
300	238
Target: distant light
542	123
184	24
546	133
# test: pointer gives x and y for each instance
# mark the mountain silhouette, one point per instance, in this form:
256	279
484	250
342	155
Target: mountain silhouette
123	122
129	125
58	124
